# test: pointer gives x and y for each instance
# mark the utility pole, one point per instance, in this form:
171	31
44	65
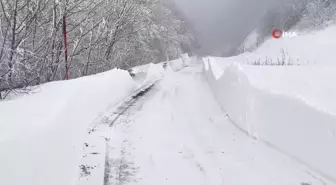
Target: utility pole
65	48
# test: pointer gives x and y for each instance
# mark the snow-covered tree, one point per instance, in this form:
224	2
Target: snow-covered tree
102	34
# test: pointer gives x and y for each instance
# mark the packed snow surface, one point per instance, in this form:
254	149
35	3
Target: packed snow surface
190	128
180	135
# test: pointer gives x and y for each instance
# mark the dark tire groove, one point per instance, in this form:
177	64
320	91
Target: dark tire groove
121	111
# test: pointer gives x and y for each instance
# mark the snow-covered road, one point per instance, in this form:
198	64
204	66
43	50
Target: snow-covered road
178	135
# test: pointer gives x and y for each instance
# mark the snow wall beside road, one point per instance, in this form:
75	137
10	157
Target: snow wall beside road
42	135
282	122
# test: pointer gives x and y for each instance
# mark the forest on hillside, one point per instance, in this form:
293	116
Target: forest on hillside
100	35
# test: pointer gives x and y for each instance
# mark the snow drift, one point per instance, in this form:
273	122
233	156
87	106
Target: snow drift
285	122
41	135
154	72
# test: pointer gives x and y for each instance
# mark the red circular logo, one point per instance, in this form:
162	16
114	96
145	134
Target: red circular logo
277	33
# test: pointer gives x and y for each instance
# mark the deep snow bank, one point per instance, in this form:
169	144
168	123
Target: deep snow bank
41	135
305	131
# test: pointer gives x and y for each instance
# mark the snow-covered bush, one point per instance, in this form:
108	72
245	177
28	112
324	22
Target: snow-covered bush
283	60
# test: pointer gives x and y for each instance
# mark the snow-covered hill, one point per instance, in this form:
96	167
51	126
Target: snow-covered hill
250	43
307	48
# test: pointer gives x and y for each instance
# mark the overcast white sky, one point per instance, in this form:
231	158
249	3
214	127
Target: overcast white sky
223	22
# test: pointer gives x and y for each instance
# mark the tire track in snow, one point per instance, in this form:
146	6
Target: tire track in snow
96	144
123	168
126	105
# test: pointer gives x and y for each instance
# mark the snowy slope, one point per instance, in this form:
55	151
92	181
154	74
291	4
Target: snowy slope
312	48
